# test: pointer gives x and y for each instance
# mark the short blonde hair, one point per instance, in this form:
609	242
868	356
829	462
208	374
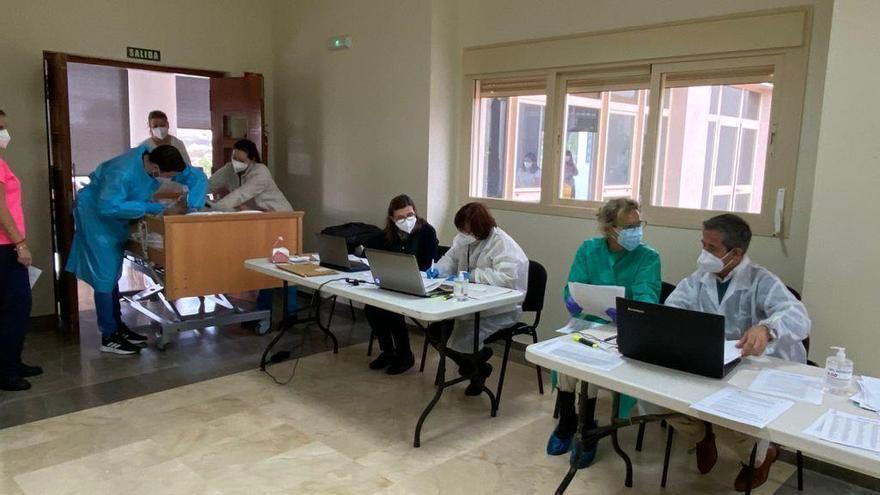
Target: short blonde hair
614	209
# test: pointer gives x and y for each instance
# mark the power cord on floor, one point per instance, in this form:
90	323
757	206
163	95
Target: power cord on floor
281	356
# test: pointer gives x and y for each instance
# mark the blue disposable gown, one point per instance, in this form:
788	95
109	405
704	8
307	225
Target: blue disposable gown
119	191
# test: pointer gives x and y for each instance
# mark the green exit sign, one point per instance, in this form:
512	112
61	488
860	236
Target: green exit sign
340	43
144	54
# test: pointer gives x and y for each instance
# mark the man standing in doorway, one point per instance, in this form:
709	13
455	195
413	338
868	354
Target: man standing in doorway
158	125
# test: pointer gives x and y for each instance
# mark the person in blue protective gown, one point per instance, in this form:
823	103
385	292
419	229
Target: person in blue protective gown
618	257
120	190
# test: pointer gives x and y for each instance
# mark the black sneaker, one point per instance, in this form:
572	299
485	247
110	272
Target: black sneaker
26	371
132	337
401	364
383	361
117	344
476	386
14	383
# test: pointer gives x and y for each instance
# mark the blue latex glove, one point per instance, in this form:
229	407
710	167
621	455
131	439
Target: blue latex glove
154	208
573	308
432	272
612	313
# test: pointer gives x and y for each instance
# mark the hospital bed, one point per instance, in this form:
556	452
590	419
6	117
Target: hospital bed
201	255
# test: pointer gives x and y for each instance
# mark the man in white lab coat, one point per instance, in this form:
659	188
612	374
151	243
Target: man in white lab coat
759	312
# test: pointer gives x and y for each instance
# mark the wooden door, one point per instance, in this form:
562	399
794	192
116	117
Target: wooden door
61	185
237	113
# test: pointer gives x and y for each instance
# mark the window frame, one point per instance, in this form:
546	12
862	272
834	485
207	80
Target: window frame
781	151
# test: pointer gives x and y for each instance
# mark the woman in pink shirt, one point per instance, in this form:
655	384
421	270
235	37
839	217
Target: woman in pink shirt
15	288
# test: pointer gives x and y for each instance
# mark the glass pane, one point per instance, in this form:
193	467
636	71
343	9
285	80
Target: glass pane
581	145
586	115
721	202
726	154
746	156
530	136
618	157
753	105
508	160
699	159
730	101
741	203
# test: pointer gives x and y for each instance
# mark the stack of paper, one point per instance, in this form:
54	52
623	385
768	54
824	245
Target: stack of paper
792	386
595	299
581	354
743	406
869	394
847	429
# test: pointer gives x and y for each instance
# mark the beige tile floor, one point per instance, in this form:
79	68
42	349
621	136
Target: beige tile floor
336	428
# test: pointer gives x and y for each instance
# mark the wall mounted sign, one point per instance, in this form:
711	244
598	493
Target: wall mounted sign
144	54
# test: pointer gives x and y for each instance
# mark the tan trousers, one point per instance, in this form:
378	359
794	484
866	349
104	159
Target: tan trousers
694	430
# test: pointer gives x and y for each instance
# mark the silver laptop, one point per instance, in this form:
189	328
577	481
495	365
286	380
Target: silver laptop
334	254
400	272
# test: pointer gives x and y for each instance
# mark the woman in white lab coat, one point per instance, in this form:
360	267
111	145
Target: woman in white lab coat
490	257
247	182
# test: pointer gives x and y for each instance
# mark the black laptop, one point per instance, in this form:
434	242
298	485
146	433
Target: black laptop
333	252
676	338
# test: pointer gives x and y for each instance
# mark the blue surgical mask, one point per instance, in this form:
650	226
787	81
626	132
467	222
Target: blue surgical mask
630	238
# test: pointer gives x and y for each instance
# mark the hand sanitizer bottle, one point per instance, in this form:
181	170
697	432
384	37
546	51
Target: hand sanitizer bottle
838	372
459	287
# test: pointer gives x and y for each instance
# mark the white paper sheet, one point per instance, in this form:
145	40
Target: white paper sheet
792	386
579	353
34	274
731	352
869	395
847	429
743	406
595	299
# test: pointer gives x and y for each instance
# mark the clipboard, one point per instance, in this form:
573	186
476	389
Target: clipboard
307	270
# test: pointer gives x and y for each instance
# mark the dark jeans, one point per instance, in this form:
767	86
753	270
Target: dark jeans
15	310
390	330
109	311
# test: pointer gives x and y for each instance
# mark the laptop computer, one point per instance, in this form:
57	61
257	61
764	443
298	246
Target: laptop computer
400	273
676	338
334	254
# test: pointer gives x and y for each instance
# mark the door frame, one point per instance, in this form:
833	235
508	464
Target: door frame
59	153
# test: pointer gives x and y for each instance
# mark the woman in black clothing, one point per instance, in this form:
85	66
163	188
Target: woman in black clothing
405	232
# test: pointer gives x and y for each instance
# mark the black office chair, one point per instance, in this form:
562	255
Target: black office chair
533	302
798	454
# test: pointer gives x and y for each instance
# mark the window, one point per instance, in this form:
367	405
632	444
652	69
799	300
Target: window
509	140
712	151
604	133
688	124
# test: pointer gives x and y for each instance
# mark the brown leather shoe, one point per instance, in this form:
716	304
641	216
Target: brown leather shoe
759	474
707	453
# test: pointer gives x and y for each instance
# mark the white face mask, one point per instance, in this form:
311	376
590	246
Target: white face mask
406	224
465	239
159	132
4	139
239	166
709	263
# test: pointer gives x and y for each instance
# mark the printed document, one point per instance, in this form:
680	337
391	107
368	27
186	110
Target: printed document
792	386
743	406
595	299
731	351
581	354
847	429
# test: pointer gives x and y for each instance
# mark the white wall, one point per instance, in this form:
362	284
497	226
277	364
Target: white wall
195	34
148	91
842	274
352	124
553	240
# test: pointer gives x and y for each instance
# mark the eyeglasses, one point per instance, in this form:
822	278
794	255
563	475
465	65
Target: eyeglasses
641	224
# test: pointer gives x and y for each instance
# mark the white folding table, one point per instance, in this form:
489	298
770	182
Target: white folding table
420	309
677	390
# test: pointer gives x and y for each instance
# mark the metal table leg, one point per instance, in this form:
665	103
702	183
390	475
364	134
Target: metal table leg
615	442
442	383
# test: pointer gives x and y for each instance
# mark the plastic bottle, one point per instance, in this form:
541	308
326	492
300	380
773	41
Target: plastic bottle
460	286
838	372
